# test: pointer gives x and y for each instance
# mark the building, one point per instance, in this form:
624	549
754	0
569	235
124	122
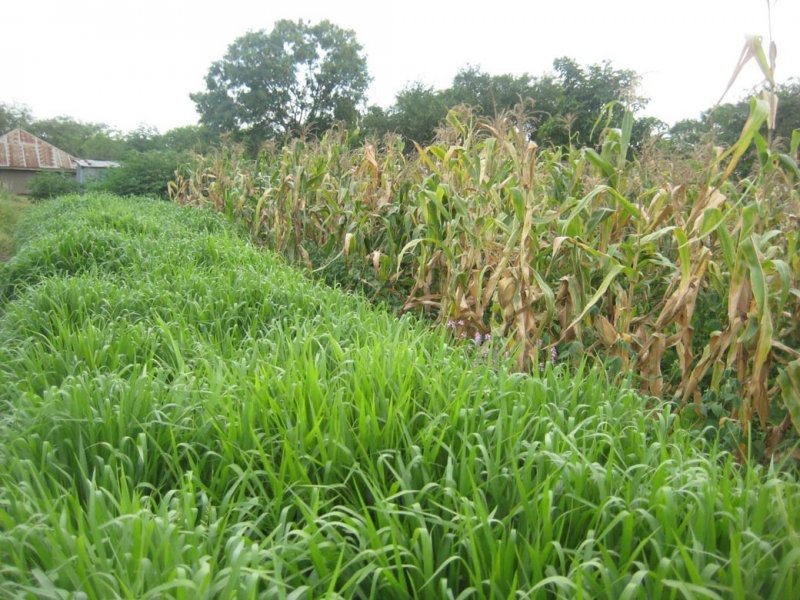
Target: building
23	155
92	170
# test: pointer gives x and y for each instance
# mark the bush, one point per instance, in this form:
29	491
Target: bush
142	174
50	185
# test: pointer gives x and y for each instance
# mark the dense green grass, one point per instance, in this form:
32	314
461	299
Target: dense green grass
183	415
11	208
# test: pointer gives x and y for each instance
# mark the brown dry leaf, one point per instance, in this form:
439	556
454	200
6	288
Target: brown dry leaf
348	238
557	244
375	256
507	287
606	331
650	364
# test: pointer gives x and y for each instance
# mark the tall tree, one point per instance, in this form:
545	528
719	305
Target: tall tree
565	103
84	140
491	94
724	123
570	100
13	116
296	77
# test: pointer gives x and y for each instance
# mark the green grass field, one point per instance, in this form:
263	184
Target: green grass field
11	208
182	415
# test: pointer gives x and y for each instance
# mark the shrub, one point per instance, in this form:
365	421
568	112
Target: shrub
142	174
49	185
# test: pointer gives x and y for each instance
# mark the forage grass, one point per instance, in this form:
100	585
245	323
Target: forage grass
11	207
185	416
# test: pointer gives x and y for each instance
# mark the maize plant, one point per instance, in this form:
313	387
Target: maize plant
689	283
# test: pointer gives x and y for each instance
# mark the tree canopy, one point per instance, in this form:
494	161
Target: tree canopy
723	124
296	77
565	103
13	116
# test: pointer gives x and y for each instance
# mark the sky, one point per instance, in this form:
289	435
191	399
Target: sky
132	63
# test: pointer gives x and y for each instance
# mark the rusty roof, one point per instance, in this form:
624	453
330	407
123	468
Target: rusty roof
21	150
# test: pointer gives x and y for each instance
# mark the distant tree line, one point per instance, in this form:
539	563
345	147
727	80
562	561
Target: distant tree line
301	78
99	141
148	158
563	105
723	124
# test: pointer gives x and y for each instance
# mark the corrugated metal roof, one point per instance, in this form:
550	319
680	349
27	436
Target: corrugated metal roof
96	164
21	150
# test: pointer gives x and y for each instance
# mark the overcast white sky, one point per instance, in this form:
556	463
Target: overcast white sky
130	63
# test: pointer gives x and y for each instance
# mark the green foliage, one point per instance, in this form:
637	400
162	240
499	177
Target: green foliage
11	208
13	116
298	77
570	99
417	112
185	416
142	174
190	138
723	124
100	142
489	94
143	139
83	140
49	185
565	103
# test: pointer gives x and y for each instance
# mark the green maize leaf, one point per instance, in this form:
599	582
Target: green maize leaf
749	217
547	291
728	247
605	167
683	252
788	163
762	149
789	382
410	246
615	270
759	111
625	141
627	205
652	237
712	219
757	279
784	272
518	199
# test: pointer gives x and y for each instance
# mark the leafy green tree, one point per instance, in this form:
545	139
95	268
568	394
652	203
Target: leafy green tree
645	128
13	116
194	138
376	121
298	77
103	146
417	112
84	140
723	124
142	174
145	138
570	100
565	105
490	94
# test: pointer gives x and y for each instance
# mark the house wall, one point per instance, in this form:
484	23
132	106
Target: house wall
86	174
16	181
